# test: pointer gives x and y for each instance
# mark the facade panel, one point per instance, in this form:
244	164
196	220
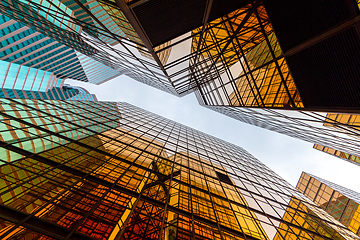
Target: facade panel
115	171
234	57
339	202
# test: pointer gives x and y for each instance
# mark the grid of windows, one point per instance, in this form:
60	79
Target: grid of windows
232	62
342	155
115	171
313	127
341	203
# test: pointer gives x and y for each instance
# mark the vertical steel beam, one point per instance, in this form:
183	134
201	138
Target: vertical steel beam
144	38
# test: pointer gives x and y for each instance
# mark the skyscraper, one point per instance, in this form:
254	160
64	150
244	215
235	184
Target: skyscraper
339	202
35	66
22	45
246	59
85	170
339	154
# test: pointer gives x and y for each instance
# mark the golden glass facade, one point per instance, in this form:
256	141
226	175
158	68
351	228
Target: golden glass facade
341	121
235	60
341	203
243	63
343	155
136	175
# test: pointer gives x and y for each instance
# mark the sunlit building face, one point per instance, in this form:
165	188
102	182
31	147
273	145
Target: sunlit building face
273	64
114	171
341	203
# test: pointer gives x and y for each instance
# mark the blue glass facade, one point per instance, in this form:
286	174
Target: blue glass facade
34	66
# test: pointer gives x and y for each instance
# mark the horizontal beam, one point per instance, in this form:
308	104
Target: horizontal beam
39	225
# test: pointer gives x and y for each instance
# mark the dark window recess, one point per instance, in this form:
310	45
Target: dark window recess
224	178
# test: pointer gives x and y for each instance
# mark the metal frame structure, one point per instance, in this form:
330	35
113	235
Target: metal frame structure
135	175
339	202
234	63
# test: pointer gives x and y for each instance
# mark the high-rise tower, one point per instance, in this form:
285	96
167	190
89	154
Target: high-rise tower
340	202
248	59
85	170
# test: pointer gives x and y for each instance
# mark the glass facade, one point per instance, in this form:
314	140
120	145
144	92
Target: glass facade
248	71
342	155
18	81
237	58
102	170
341	203
27	47
34	66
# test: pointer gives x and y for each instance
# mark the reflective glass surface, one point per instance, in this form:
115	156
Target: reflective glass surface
114	171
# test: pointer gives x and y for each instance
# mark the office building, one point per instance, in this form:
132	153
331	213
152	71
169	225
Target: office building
247	59
339	154
339	202
34	66
235	55
22	45
102	170
19	81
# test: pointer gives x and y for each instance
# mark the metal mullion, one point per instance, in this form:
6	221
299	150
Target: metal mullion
190	200
183	79
109	3
341	127
69	139
48	202
47	228
51	168
173	44
273	56
143	133
222	85
120	234
335	122
204	27
278	91
166	203
224	198
179	60
51	12
91	120
248	67
213	206
54	198
249	13
201	65
41	128
81	107
249	83
142	35
75	20
104	27
45	23
110	188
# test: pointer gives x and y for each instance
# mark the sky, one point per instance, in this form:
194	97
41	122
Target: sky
285	155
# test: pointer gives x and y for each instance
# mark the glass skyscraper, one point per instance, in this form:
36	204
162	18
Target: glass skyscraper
103	170
34	66
250	60
340	202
